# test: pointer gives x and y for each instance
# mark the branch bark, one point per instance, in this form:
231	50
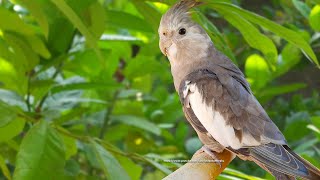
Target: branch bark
199	169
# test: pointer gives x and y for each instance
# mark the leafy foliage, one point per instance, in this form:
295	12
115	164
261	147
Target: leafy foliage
86	94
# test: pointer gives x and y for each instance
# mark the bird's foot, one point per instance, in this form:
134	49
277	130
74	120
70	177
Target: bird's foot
210	153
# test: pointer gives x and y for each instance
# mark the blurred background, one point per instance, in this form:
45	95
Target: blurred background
85	92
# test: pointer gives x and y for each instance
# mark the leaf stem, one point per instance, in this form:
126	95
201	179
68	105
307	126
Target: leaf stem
108	113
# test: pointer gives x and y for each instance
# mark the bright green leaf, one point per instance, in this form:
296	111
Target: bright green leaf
13	23
133	169
252	35
151	15
314	18
38	46
12	129
215	35
37	11
77	22
97	19
257	71
281	31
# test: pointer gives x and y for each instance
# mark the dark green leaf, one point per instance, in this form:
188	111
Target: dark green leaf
138	122
41	154
109	164
127	21
302	7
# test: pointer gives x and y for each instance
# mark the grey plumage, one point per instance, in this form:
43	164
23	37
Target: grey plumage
217	100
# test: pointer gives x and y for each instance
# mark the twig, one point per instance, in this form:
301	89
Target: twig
28	93
38	108
108	113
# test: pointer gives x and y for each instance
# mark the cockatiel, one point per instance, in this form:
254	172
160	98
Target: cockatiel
218	102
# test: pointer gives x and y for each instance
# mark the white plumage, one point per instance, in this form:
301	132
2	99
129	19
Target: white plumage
215	123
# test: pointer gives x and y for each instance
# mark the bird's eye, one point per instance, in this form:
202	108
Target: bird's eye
164	33
182	31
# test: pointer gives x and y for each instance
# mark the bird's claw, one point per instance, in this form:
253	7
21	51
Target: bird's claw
210	153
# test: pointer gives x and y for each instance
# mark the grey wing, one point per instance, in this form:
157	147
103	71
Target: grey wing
229	96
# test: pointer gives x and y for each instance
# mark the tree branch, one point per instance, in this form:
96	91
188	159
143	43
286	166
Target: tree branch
202	170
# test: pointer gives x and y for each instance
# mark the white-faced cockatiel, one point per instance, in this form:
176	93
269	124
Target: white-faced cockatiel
218	102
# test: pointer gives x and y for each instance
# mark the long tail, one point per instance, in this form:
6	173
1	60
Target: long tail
280	160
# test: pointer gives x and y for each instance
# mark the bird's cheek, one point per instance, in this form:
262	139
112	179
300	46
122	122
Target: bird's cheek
172	51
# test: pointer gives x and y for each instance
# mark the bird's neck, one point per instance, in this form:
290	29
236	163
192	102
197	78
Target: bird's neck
187	61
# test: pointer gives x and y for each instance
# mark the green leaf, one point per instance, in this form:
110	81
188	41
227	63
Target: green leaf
85	63
314	18
27	59
252	35
12	129
7	114
302	7
4	168
272	91
240	174
192	145
13	23
138	122
290	56
125	20
78	23
37	11
97	19
133	169
294	122
158	165
215	35
109	164
316	121
83	86
150	14
41	154
38	46
70	144
257	71
287	34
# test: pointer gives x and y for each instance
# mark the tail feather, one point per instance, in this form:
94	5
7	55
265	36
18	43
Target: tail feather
280	159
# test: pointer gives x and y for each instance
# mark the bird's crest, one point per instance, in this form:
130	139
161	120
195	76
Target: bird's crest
179	11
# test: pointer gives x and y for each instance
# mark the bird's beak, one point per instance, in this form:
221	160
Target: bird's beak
164	46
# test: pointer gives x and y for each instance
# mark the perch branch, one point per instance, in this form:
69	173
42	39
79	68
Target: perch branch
199	169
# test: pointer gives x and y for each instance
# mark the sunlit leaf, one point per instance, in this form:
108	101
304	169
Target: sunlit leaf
257	71
13	23
37	11
77	22
314	18
252	35
151	15
279	30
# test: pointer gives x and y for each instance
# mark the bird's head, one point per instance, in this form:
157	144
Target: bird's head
177	31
